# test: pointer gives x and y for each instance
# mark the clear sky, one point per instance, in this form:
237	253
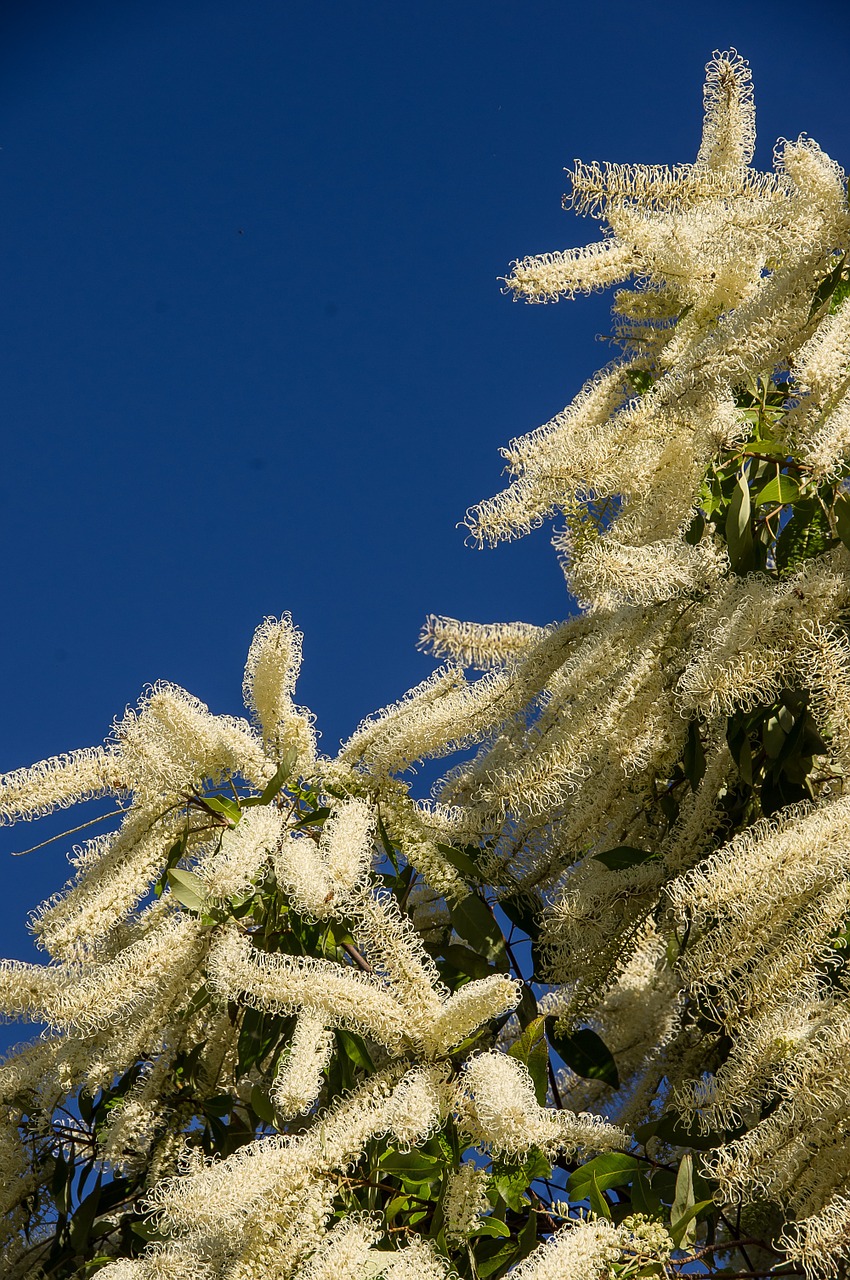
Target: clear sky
254	351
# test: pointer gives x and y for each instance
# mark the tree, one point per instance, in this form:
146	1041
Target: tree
585	1013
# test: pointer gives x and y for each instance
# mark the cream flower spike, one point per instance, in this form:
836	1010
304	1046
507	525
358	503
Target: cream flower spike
729	128
271	670
59	783
502	1113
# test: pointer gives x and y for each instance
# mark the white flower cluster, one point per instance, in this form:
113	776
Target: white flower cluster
137	978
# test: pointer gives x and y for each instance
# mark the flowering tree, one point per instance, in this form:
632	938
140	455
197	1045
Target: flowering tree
585	1012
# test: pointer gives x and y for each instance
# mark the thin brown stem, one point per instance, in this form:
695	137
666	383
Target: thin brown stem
359	960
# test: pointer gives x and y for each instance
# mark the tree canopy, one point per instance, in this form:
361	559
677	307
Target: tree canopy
584	1011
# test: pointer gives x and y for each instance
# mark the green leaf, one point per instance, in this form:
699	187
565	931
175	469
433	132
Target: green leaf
399	1204
60	1183
683	1201
317	816
460	861
693	758
220	1104
527	1238
641	379
175	853
778	491
490	1263
474	921
229	809
387	844
773	737
644	1199
258	1035
413	1166
83	1220
841	511
261	1104
466	961
585	1053
491	1227
282	772
354	1048
670	1129
532	1050
773	448
526	1010
826	287
511	1181
613	1169
624	856
739	538
806	535
598	1203
187	888
524	912
684	1230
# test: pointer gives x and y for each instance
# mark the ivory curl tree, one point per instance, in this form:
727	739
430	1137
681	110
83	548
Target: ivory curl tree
583	1014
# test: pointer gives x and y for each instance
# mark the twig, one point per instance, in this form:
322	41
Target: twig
359	960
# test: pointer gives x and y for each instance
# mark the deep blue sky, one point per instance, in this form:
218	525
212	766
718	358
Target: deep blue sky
254	352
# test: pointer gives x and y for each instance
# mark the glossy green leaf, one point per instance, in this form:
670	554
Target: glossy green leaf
645	1199
415	1166
772	448
228	808
598	1203
524	912
841	511
466	960
491	1262
460	861
527	1238
315	816
613	1169
531	1049
585	1053
624	856
826	288
398	1204
511	1182
683	1202
187	888
641	379
219	1105
778	491
261	1104
684	1230
491	1227
354	1048
806	535
670	1129
739	538
474	921
693	757
387	844
283	771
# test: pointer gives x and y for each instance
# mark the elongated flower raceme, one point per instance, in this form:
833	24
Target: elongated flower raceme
284	984
504	1113
58	783
321	880
271	671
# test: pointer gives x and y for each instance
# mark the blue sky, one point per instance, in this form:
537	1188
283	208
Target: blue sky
254	351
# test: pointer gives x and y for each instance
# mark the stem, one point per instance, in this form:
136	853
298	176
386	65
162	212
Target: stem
20	853
359	960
